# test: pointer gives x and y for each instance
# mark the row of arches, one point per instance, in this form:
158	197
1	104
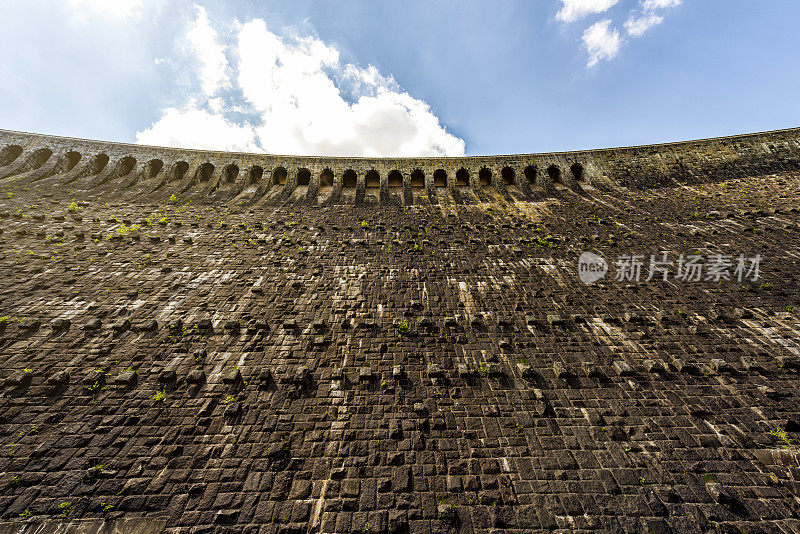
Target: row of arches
41	163
417	177
43	160
255	174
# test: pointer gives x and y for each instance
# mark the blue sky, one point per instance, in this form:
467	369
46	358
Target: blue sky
360	77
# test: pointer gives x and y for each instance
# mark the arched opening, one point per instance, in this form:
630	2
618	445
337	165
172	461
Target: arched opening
578	172
229	173
395	179
554	173
440	178
417	178
9	154
99	163
326	178
349	179
530	174
462	177
507	174
485	177
71	159
39	157
178	171
205	172
303	177
255	175
125	166
279	176
373	179
152	168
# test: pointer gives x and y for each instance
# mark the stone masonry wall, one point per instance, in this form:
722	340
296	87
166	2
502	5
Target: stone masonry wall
182	350
265	178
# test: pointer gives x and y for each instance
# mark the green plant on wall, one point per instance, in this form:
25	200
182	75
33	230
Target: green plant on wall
403	328
783	437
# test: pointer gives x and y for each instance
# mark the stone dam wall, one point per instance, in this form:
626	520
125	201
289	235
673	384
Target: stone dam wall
319	180
197	342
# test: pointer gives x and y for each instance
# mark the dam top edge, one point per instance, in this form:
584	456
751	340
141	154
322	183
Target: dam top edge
633	148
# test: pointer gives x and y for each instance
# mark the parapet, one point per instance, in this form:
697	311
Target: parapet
208	176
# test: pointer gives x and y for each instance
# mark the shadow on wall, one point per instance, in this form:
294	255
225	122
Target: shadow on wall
555	174
230	173
303	177
349	179
279	176
152	168
255	175
417	178
578	172
507	174
485	177
372	179
440	178
40	157
204	172
178	171
326	179
462	177
9	154
71	160
530	174
395	179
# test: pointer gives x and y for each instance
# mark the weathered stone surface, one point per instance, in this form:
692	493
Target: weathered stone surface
20	379
86	526
407	355
622	368
434	370
653	366
126	378
57	379
232	376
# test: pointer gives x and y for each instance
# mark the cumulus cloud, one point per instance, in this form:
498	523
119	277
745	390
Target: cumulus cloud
202	39
601	41
193	127
572	10
293	95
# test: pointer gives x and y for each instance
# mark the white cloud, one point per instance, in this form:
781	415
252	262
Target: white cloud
638	23
572	10
601	41
202	39
294	96
197	128
649	5
636	26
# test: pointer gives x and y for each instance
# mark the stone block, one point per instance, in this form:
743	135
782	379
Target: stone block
653	366
622	368
560	371
721	366
126	379
231	375
434	371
